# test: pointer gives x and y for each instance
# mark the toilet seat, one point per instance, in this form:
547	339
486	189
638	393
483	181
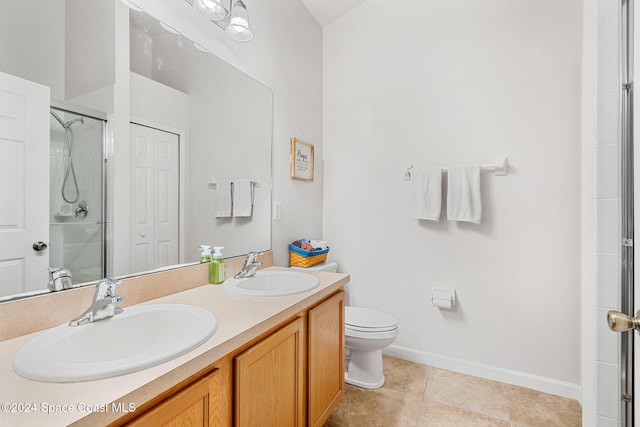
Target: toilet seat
367	320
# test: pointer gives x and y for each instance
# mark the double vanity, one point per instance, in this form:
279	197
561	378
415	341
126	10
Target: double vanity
267	347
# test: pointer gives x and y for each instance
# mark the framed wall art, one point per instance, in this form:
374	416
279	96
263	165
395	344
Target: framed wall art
301	160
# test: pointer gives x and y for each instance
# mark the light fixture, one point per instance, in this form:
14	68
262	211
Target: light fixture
235	24
238	28
211	9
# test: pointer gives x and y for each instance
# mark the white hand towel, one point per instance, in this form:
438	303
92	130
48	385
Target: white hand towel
242	197
426	193
463	194
223	198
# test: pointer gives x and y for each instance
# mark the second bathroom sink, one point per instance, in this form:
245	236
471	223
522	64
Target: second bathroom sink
272	283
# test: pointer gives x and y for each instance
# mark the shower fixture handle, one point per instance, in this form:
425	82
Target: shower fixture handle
82	209
620	322
39	246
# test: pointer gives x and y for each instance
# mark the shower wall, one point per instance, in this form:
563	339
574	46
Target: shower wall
607	204
76	239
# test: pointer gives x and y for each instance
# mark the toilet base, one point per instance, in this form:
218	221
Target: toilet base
365	369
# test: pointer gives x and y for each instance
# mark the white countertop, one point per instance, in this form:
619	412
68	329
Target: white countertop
240	319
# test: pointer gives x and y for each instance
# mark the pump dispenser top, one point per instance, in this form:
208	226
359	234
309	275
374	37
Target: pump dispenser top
206	253
216	268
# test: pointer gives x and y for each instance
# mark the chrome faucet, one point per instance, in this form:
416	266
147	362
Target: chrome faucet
250	265
103	305
59	279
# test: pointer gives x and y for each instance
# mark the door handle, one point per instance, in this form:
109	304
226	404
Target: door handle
39	246
620	322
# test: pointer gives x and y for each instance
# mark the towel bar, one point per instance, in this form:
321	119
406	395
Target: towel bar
212	183
500	167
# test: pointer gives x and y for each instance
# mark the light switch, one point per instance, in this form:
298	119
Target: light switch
277	211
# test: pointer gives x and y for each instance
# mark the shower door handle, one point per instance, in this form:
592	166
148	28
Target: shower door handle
39	246
620	322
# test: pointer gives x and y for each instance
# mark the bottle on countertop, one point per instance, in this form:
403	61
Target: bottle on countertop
216	268
206	254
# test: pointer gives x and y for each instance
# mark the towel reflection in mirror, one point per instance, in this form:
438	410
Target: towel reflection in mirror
234	198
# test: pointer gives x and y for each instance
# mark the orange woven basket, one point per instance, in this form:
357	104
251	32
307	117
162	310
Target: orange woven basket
297	260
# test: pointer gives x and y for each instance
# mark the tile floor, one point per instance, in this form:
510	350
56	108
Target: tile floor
420	396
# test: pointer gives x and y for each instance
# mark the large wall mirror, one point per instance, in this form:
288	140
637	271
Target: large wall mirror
118	139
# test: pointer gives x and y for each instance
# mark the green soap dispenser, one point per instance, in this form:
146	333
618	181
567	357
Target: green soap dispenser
216	267
206	254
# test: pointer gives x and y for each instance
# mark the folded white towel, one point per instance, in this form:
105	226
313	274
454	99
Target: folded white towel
426	193
319	244
463	194
242	197
223	198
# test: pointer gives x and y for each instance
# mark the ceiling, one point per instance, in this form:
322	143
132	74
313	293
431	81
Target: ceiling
327	11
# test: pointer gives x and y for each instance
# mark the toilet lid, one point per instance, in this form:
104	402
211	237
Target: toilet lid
366	319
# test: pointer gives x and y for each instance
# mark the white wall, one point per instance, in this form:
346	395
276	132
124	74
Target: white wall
58	51
154	102
89	46
118	152
442	83
34	58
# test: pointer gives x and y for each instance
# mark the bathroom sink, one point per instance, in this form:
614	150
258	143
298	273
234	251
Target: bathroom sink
272	283
140	337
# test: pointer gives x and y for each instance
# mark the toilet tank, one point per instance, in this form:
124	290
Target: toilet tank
331	267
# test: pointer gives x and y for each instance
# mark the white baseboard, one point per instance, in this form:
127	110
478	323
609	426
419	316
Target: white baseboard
535	382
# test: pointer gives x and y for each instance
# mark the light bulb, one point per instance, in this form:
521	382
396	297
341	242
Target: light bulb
238	28
211	9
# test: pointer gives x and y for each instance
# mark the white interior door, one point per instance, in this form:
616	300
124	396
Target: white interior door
24	184
154	198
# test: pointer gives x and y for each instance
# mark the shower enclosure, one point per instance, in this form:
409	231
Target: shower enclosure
76	214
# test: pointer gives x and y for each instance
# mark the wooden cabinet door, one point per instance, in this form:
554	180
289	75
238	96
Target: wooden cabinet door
195	405
326	358
270	380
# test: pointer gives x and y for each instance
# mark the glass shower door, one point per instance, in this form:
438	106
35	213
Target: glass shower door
76	214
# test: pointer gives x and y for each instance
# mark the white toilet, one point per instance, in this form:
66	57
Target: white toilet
367	332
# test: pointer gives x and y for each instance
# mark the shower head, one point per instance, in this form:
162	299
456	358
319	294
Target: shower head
66	125
79	119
